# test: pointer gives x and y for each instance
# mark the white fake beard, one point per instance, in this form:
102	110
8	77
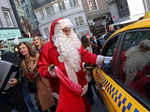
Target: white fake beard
136	61
68	48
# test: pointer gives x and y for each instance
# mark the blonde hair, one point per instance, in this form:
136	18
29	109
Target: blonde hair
41	41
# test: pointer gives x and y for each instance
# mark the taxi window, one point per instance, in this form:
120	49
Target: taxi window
109	50
134	63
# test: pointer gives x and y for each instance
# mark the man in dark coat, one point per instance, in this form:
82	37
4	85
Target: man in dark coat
13	98
110	31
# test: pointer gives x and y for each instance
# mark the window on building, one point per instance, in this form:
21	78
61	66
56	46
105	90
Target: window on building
56	8
147	4
123	8
1	24
79	21
92	4
48	11
41	13
73	3
22	1
18	3
27	12
62	6
46	31
51	10
8	18
67	4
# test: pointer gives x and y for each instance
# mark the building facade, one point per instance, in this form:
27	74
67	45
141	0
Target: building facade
71	9
96	10
125	11
19	14
147	5
29	16
7	18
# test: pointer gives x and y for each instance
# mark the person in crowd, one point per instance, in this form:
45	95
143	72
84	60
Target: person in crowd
43	83
12	99
96	46
28	63
110	31
86	43
38	43
135	66
38	87
88	68
62	58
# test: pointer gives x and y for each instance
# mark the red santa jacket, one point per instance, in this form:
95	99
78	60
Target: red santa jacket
69	101
142	77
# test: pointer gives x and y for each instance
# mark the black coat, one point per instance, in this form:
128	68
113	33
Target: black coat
13	97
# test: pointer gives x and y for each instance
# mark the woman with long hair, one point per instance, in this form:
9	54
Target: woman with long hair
39	86
28	62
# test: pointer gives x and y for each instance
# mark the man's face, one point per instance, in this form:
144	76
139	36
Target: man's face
67	31
111	28
36	41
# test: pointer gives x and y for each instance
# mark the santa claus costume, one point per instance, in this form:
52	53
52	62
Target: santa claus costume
135	66
67	55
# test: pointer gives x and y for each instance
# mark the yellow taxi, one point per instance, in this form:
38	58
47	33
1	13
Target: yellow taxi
124	84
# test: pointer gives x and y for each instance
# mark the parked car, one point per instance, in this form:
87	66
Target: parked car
124	83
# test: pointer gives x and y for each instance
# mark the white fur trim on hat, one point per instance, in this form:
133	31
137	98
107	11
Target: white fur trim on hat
61	24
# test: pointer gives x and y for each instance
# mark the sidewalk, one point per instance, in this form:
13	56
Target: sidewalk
98	104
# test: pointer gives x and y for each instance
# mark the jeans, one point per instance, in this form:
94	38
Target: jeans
29	98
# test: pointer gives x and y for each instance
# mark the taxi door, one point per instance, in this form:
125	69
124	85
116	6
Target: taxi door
118	93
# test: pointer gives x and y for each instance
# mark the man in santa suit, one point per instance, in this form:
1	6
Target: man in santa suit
136	67
66	53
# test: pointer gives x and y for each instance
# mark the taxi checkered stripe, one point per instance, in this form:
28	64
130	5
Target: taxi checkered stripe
116	96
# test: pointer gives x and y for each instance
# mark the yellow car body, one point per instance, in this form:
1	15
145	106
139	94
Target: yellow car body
116	98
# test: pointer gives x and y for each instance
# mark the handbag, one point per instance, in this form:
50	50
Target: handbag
32	86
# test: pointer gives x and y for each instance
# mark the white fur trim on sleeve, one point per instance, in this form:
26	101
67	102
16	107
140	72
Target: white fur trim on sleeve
99	59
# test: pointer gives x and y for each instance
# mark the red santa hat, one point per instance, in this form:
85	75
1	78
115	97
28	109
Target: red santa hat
59	24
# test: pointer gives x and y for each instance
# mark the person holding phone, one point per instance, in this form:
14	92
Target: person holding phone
12	98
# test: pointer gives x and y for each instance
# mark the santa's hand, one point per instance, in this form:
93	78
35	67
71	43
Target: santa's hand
107	59
84	90
51	69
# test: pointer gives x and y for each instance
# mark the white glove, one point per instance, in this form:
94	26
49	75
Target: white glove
107	59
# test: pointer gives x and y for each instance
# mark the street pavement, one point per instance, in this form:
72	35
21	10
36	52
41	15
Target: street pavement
99	105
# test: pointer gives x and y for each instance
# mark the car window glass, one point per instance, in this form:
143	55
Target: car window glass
109	51
110	47
134	62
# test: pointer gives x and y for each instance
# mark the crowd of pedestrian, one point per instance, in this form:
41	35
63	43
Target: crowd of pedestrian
54	67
